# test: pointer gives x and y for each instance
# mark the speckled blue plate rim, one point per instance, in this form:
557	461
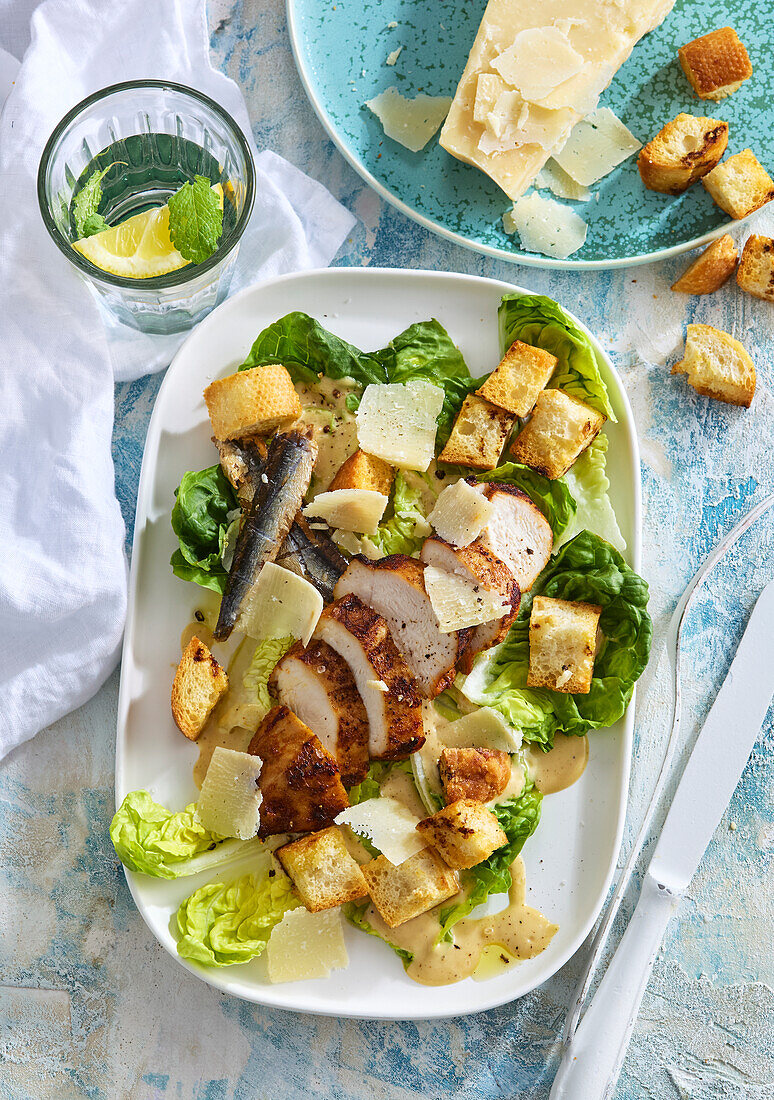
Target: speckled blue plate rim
527	259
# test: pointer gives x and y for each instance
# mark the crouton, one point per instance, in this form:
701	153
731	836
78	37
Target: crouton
364	471
716	64
322	871
198	685
560	428
465	833
681	153
416	885
478	435
562	644
480	774
711	269
717	366
252	402
515	384
300	780
740	184
756	268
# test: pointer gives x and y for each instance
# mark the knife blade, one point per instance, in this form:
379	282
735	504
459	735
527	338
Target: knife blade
720	753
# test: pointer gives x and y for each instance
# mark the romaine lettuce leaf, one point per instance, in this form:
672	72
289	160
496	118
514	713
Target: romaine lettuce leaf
203	501
156	841
518	817
588	569
588	483
407	528
262	663
553	498
355	914
230	922
541	322
307	350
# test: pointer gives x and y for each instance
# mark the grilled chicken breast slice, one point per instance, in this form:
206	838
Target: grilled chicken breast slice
517	532
317	685
480	566
384	680
300	781
394	587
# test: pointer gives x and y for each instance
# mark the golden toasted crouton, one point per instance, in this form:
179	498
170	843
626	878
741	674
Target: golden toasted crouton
562	644
515	384
364	471
478	435
480	774
465	833
560	428
711	269
756	267
322	871
740	184
681	153
416	885
252	402
716	64
199	683
717	366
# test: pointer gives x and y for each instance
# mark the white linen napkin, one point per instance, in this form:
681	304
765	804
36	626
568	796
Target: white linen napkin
63	570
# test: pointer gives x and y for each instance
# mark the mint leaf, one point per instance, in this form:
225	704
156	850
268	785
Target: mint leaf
86	204
195	220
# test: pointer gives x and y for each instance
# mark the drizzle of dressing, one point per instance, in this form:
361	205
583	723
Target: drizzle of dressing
518	931
332	423
562	766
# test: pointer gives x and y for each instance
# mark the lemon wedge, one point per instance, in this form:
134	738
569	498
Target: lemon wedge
139	248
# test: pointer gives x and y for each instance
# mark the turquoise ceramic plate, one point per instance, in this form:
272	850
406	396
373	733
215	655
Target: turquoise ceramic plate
341	48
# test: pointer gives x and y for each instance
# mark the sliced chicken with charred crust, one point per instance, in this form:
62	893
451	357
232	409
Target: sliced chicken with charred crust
300	781
394	587
317	685
517	532
479	566
384	680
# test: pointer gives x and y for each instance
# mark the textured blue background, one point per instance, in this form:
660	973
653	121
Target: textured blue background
91	1006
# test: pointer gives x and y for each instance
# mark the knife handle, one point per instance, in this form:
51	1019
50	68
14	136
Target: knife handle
592	1060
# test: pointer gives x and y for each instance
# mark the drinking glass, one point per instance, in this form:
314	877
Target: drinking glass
157	136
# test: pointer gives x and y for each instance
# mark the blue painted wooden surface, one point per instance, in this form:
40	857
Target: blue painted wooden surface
90	1005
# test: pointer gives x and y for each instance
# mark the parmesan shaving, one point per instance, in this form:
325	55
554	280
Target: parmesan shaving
306	945
596	146
398	422
387	824
546	226
458	602
411	122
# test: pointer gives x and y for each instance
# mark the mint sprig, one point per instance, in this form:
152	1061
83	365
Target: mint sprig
195	220
86	204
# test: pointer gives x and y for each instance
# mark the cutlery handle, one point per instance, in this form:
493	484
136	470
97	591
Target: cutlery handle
592	1060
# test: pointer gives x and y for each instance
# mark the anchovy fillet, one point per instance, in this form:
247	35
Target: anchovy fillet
314	556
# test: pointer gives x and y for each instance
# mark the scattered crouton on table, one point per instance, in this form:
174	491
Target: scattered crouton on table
717	366
755	274
711	269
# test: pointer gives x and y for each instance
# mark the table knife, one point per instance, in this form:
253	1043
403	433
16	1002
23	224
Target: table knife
592	1059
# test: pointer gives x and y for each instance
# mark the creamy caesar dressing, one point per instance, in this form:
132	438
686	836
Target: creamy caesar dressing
333	425
400	786
519	931
562	766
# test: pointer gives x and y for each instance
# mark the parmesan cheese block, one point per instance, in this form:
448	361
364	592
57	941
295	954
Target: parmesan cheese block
482	729
411	122
545	226
595	146
349	509
229	801
558	55
458	602
458	515
279	604
387	824
397	422
306	945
